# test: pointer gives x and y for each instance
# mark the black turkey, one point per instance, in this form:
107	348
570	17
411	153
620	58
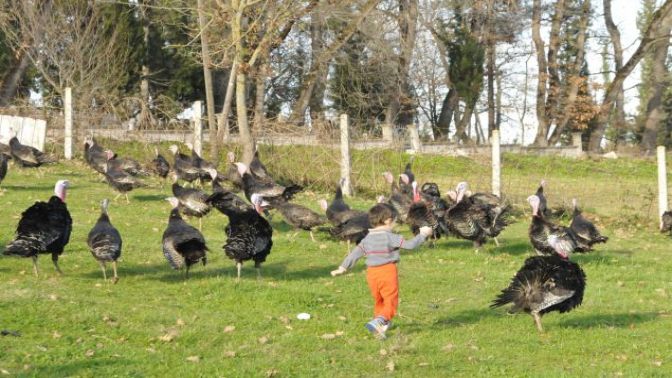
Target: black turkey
183	245
105	242
27	156
95	155
338	211
428	210
44	228
5	150
268	189
666	222
207	171
184	166
160	165
497	209
231	174
473	220
299	216
258	168
193	202
121	181
542	232
545	284
585	229
248	234
399	200
352	230
3	166
128	165
544	211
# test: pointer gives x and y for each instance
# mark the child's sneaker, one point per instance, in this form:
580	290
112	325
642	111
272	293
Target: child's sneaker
377	327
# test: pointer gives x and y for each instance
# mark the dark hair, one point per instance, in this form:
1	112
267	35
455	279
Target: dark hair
381	212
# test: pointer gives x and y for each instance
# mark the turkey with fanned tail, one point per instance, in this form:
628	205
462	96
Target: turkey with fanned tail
183	245
104	241
545	284
44	227
249	235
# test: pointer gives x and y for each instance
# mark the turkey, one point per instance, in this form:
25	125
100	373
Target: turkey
299	216
406	180
542	232
585	229
473	220
544	211
205	168
352	230
267	189
27	156
160	165
498	211
192	202
338	211
121	181
666	222
545	284
428	209
183	166
231	174
95	155
5	150
105	242
183	245
399	200
128	165
257	167
3	166
44	228
248	234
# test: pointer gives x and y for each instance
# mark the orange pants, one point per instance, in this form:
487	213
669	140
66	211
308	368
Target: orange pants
384	285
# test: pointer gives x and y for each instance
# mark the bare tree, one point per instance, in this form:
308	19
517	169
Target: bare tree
615	37
651	36
76	48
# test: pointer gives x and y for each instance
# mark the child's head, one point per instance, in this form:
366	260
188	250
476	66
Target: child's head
381	213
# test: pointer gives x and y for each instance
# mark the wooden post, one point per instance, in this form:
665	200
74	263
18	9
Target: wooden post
346	185
496	164
388	132
198	128
415	137
662	182
67	112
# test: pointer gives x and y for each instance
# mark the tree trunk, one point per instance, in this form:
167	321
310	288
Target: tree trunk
573	88
490	71
450	103
654	110
259	96
207	78
299	109
403	99
553	78
615	36
145	118
241	77
316	102
223	126
12	79
542	120
461	126
610	94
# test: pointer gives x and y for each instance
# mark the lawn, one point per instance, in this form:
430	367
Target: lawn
154	323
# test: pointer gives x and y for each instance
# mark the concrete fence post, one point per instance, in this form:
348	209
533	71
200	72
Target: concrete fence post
346	184
67	112
496	164
198	128
415	138
662	181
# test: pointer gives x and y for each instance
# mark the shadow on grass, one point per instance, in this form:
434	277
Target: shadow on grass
608	320
31	188
149	197
511	248
471	316
597	257
76	368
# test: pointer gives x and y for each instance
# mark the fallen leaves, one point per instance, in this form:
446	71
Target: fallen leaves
229	329
194	359
169	336
263	340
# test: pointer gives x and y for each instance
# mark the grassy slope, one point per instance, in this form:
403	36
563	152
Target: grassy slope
76	325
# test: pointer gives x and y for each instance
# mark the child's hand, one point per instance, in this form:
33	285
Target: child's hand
426	231
338	271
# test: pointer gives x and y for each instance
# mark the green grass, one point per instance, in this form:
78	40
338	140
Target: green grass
153	322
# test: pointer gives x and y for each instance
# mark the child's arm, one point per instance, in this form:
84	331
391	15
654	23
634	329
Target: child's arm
349	261
399	242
